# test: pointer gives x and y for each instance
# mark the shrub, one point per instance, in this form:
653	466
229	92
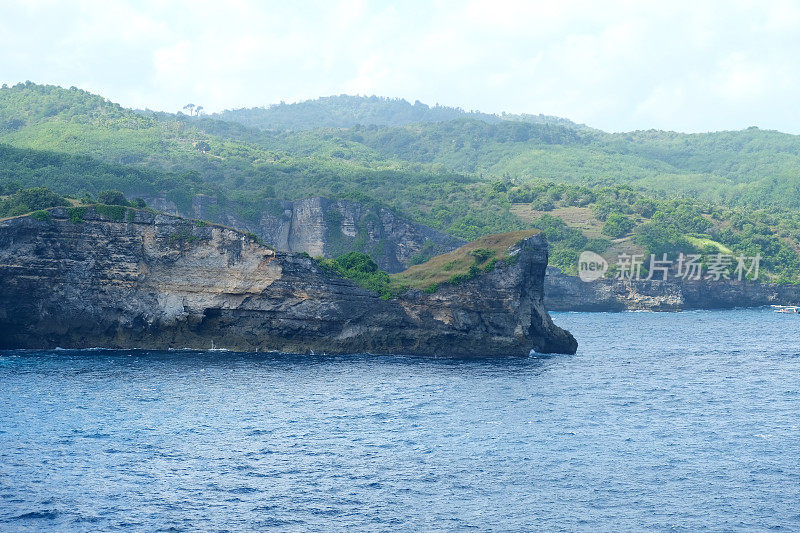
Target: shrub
417	259
41	215
657	238
482	254
111	197
430	289
9	187
76	214
27	200
473	272
361	269
114	212
617	225
428	250
542	203
183	237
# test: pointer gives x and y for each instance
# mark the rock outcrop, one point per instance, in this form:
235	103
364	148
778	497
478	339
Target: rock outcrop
322	227
134	279
569	293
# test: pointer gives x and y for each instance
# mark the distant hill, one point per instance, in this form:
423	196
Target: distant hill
466	174
345	111
751	167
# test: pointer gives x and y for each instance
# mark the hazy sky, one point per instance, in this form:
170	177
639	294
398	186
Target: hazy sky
689	66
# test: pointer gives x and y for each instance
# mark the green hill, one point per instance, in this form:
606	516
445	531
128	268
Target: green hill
746	168
467	174
345	111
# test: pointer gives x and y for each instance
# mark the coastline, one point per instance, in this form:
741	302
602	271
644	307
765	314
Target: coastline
127	278
570	293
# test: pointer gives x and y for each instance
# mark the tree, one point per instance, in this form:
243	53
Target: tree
111	198
190	108
197	110
617	225
26	200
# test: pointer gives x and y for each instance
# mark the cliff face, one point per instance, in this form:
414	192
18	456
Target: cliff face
157	281
569	293
328	228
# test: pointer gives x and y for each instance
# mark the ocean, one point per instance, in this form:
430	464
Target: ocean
667	421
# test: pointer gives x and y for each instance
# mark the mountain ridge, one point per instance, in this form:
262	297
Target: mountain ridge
346	111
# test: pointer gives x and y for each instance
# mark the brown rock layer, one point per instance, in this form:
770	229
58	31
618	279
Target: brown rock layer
158	281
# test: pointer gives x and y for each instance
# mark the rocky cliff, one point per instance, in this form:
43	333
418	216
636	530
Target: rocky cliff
569	293
327	228
134	279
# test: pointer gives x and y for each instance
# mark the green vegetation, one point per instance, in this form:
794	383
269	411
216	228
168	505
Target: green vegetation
427	251
707	244
114	212
183	237
345	111
453	268
112	197
76	214
26	200
467	174
617	225
460	265
363	270
663	225
41	215
566	243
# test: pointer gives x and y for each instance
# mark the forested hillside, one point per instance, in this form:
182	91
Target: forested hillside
467	174
346	111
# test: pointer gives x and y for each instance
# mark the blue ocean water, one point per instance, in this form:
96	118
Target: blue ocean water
684	421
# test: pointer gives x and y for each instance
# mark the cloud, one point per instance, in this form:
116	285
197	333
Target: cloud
691	66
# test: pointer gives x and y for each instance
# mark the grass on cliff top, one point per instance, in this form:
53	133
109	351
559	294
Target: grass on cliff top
706	243
460	264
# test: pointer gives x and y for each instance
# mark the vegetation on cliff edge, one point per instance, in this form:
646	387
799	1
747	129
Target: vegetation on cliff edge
461	264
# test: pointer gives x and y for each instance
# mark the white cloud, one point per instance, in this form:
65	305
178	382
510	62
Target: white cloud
622	65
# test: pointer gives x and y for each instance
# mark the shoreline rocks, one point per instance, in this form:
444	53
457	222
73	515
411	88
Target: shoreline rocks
139	279
570	293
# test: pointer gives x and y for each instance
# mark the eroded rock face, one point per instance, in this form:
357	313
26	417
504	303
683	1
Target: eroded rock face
328	228
158	281
569	293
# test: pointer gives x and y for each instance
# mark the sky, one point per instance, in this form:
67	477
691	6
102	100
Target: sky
615	65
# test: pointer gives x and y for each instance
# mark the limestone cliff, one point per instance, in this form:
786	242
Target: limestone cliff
569	293
327	228
78	278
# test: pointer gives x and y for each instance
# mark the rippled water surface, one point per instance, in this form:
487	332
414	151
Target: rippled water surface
683	421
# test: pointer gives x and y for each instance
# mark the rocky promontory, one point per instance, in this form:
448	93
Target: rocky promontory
123	278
